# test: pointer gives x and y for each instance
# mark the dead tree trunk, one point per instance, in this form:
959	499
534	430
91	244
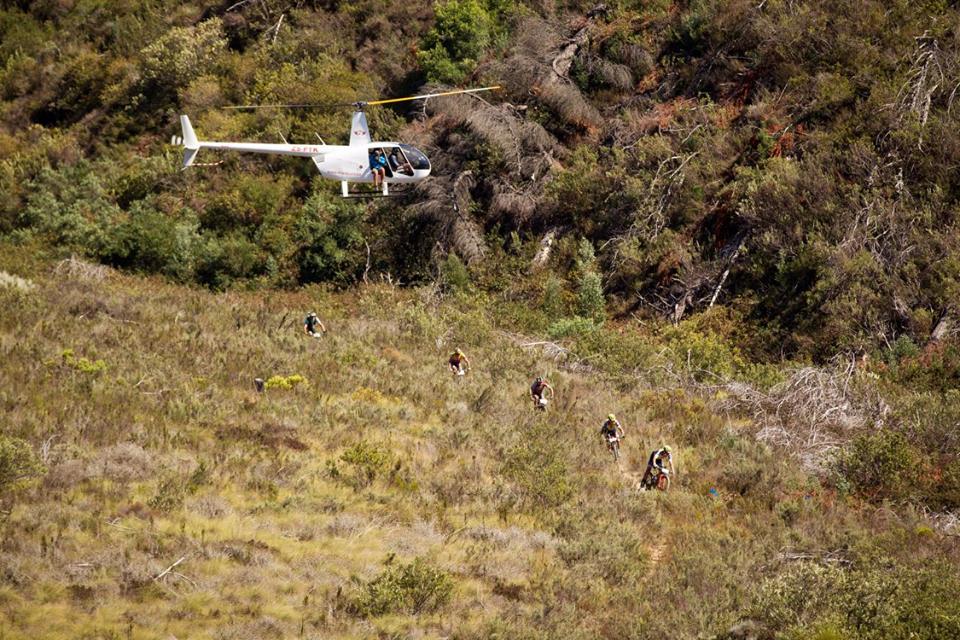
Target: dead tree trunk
942	329
543	252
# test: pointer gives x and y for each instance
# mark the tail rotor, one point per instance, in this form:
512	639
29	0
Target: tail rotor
191	146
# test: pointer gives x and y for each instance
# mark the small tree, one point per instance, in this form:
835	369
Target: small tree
330	237
590	300
17	462
462	31
553	300
411	588
454	273
183	54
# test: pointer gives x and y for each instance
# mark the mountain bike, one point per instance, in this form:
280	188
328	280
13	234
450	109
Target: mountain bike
613	444
659	478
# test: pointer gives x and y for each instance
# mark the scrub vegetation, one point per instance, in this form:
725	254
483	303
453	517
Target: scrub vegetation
733	223
153	492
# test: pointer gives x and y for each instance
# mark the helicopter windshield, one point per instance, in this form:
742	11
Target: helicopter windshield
416	157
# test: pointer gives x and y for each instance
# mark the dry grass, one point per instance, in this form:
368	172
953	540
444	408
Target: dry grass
169	454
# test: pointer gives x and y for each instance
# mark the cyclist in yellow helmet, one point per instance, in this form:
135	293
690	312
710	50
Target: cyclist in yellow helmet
611	428
612	433
660	459
459	364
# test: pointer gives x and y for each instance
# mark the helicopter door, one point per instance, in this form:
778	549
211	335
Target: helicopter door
397	163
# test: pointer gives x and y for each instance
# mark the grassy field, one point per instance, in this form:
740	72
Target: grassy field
378	497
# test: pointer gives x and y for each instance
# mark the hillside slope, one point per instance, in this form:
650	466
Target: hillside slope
792	162
379	498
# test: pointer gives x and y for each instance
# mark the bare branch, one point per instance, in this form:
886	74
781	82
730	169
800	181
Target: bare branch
169	569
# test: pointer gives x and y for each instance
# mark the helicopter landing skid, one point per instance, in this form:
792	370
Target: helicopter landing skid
374	195
383	192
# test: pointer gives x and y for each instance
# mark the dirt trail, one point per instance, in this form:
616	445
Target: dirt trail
656	554
633	478
656	550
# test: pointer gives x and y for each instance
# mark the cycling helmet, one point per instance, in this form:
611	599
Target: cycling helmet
312	314
611	417
666	448
539	378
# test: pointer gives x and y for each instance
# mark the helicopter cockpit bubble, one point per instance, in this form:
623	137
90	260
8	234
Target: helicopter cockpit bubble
416	158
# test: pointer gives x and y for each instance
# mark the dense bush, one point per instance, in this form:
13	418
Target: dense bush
416	587
463	30
17	462
540	473
867	602
365	463
883	464
150	241
330	240
179	56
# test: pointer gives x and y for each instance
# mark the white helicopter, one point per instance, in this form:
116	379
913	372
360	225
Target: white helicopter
344	163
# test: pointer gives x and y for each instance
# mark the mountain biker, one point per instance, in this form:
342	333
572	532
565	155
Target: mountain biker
611	428
311	323
458	362
537	390
658	458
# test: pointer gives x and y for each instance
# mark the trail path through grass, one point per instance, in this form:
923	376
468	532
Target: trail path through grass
658	547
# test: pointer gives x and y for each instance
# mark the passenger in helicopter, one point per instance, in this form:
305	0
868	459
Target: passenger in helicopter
399	164
378	166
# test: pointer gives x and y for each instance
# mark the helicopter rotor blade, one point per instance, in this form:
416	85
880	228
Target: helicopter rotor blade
432	95
286	106
359	103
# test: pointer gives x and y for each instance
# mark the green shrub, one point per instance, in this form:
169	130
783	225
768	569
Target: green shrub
936	367
81	364
945	492
903	347
540	473
220	261
366	463
414	588
69	206
182	54
150	241
17	462
21	34
553	302
329	239
463	29
881	464
571	327
454	274
285	382
705	356
169	495
873	602
590	301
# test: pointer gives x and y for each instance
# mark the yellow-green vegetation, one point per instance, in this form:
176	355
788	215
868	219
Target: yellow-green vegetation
82	364
166	497
285	382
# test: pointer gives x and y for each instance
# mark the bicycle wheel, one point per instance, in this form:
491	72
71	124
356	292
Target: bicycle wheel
663	482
